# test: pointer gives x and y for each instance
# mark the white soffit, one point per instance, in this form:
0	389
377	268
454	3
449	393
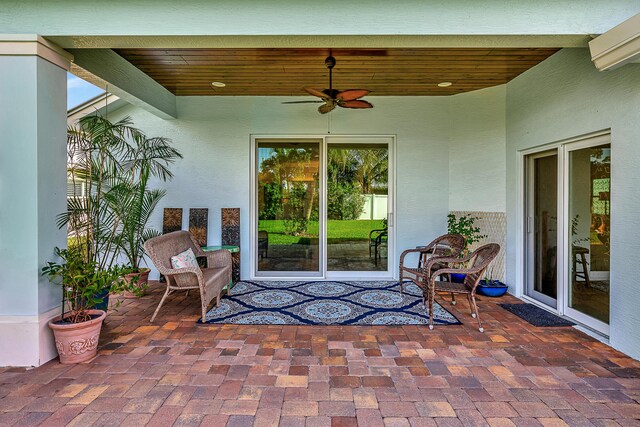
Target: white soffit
618	46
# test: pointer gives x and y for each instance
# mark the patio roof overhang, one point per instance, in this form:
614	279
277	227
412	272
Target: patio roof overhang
150	71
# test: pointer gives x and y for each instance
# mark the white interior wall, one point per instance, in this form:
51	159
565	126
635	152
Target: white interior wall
564	97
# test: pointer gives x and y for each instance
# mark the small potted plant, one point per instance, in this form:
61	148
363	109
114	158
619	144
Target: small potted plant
465	226
490	287
77	329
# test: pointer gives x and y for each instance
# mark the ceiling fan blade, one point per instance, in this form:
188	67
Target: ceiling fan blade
302	102
317	93
355	104
352	94
329	106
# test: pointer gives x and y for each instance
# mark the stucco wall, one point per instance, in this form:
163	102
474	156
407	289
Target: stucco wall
564	97
477	151
335	17
214	136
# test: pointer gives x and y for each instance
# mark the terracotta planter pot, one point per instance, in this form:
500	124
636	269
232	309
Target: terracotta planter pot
77	342
141	283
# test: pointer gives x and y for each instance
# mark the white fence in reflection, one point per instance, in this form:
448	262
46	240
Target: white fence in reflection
375	206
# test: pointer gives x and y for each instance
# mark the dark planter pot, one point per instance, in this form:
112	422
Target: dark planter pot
494	288
104	295
458	278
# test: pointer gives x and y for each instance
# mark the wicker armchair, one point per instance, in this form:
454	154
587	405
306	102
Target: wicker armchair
449	245
210	281
473	266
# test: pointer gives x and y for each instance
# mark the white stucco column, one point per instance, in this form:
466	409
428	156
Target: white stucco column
33	96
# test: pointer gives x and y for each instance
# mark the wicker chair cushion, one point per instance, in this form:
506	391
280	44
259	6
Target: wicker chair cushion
184	259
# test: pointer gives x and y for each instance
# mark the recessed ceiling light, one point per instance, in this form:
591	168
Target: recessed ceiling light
218	84
444	84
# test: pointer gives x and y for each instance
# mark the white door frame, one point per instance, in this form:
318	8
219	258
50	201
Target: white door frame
591	141
562	148
530	227
323	273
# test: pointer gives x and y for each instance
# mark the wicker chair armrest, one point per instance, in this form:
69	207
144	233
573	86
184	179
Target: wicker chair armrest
184	270
218	258
422	250
415	250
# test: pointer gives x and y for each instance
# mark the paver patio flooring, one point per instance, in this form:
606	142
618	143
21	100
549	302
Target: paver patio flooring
175	372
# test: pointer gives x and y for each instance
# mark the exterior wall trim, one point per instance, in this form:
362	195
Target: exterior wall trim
31	330
34	45
618	46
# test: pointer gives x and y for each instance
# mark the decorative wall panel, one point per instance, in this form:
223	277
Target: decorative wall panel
494	225
198	224
231	236
171	220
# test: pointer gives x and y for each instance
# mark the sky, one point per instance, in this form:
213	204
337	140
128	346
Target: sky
79	91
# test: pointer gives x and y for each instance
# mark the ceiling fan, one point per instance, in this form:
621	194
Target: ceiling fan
331	97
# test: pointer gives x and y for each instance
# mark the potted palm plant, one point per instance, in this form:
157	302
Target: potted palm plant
110	164
77	329
149	157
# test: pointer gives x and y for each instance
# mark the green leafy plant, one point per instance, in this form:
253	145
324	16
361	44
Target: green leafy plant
149	157
113	162
575	225
83	281
465	226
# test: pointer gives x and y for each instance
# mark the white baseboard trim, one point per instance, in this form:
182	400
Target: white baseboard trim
27	340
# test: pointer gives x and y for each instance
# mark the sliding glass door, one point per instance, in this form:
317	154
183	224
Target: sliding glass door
287	238
589	215
317	218
542	227
567	222
357	206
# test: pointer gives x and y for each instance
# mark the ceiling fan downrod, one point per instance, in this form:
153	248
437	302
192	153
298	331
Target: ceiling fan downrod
330	62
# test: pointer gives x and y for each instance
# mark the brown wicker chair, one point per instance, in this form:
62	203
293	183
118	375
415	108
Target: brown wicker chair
210	281
474	265
449	245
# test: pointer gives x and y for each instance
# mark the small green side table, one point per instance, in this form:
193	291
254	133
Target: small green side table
235	258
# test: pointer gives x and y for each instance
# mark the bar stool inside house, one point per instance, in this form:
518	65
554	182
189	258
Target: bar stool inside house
579	256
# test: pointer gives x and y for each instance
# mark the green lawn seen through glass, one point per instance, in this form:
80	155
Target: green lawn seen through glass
337	230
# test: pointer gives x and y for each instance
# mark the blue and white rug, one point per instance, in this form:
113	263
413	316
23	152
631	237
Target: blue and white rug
325	303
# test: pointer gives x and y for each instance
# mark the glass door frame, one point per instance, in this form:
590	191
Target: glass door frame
391	266
591	141
563	148
323	274
529	285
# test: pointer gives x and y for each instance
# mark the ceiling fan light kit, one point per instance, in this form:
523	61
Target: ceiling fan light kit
332	98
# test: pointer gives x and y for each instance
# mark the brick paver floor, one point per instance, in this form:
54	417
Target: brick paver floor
175	372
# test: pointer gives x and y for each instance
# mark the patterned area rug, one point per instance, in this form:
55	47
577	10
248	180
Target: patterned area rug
325	303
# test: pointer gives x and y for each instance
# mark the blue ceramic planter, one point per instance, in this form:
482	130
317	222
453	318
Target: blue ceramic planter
494	288
458	278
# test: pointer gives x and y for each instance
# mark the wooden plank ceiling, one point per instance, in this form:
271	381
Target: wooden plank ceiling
283	72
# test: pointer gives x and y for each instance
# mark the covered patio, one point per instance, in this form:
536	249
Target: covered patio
524	116
176	372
